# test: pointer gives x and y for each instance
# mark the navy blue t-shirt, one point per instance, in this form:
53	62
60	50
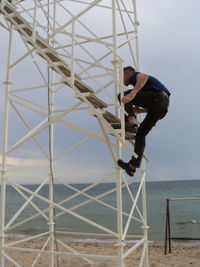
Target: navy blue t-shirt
151	84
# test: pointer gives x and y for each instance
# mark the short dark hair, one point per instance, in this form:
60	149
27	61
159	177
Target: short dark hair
129	68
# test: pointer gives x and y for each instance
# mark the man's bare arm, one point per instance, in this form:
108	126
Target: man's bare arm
140	83
141	80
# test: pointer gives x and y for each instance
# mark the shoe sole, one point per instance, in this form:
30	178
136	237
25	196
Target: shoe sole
125	167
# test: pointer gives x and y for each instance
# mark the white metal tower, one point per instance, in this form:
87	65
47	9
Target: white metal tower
64	72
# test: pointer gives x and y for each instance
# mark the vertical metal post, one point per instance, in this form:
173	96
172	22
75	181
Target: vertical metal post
136	38
166	226
119	187
73	51
51	103
169	227
5	145
115	53
51	184
117	80
51	221
145	227
121	91
34	20
145	260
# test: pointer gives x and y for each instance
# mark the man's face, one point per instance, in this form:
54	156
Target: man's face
127	74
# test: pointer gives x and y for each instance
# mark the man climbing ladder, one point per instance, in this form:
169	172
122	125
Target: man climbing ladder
148	95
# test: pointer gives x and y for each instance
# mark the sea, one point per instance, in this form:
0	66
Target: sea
184	214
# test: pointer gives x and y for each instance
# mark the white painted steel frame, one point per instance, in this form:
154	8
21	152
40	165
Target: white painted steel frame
52	116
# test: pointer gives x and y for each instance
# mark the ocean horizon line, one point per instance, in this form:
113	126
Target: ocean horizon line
152	181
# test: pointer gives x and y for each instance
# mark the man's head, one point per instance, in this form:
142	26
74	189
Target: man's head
128	71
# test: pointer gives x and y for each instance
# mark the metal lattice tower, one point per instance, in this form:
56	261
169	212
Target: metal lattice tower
75	52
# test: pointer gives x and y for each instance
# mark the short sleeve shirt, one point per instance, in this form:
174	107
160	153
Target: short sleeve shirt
152	84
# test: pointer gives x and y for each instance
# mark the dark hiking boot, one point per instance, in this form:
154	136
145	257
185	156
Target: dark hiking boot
126	167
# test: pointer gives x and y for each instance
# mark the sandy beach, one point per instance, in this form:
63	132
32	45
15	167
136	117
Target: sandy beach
181	256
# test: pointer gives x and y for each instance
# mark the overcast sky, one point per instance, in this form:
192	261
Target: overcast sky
169	50
169	41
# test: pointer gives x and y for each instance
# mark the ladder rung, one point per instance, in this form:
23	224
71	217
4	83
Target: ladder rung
128	127
83	88
8	9
98	103
110	117
54	69
28	31
41	55
41	44
18	20
65	70
53	57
